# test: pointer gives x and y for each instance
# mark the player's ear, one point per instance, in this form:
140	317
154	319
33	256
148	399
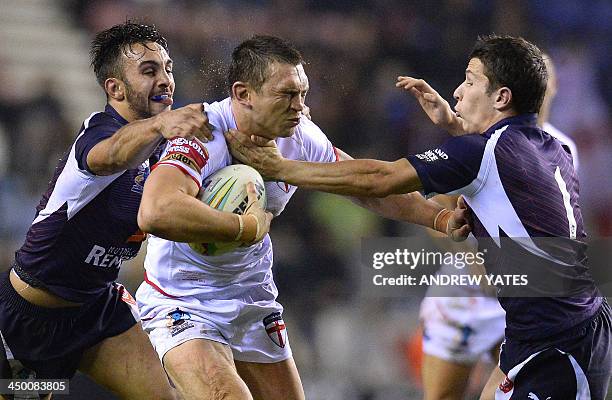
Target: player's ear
241	91
503	98
115	89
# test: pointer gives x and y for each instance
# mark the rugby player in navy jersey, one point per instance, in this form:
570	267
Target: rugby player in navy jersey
60	309
519	183
459	330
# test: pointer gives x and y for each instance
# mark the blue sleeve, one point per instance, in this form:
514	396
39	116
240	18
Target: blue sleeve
452	166
99	127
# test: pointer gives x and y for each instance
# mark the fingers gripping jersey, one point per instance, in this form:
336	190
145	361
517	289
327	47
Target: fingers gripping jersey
85	225
174	268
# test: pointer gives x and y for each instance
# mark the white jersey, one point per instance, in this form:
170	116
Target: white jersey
174	268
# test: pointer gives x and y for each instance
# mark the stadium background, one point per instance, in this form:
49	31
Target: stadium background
346	346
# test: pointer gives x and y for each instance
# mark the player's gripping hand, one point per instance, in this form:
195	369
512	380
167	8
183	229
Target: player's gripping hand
256	151
460	222
186	122
437	109
306	112
262	217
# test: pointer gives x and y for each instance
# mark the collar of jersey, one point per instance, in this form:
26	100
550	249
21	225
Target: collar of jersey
110	110
522	119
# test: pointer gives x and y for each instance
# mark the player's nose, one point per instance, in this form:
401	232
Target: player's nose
457	93
165	79
297	103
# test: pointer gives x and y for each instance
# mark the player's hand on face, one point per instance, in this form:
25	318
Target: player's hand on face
255	209
306	112
256	151
437	109
187	122
460	222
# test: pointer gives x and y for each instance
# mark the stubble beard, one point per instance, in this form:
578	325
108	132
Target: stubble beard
137	102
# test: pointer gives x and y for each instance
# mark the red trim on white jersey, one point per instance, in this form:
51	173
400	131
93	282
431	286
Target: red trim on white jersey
160	290
336	153
183	169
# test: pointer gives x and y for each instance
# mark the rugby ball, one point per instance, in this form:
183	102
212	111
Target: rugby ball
225	190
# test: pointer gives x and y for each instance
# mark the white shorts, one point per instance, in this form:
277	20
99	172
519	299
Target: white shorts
254	329
461	329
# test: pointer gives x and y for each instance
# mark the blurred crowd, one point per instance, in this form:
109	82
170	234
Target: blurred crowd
355	50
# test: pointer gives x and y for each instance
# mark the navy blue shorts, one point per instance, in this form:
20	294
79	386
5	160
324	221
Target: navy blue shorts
576	364
51	341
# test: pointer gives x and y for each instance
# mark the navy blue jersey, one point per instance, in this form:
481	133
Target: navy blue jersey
85	224
520	183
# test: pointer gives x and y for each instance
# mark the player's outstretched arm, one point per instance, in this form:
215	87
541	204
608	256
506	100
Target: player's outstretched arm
372	182
437	109
134	143
364	178
169	209
415	209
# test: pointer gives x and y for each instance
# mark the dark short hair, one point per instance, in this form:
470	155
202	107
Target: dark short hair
251	59
108	45
517	64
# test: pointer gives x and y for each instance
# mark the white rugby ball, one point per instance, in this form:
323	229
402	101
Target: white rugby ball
225	190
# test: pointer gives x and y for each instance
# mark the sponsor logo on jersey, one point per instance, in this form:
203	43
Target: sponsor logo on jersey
186	275
184	146
183	159
275	328
432	155
506	385
112	257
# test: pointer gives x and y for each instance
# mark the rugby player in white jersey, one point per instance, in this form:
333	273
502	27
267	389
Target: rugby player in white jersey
214	320
544	115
